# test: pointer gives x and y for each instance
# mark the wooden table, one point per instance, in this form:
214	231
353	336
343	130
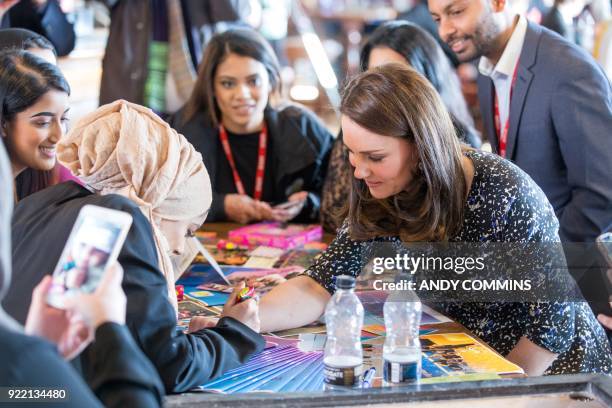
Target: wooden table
570	391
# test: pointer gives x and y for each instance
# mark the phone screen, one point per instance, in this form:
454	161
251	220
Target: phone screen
93	244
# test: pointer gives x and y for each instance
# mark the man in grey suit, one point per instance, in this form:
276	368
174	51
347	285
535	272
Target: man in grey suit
546	105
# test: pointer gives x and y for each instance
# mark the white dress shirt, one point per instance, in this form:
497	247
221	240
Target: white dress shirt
501	74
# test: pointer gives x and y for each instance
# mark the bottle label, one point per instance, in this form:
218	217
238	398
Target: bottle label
343	376
401	372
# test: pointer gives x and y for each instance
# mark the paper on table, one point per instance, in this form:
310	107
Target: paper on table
274	341
312	342
211	261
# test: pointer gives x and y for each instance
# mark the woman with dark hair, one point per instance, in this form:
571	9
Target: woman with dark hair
34	97
257	155
413	182
404	43
22	39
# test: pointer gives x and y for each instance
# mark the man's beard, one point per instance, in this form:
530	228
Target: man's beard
484	37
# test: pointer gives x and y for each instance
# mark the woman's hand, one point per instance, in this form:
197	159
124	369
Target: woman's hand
246	312
605	320
287	213
198	323
61	327
243	209
533	359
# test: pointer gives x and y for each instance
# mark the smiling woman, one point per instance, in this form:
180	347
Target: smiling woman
257	155
414	183
34	97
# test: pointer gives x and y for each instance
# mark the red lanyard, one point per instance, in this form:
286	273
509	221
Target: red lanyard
261	161
503	136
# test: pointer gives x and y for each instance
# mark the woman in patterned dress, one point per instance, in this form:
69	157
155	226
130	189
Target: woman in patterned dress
413	182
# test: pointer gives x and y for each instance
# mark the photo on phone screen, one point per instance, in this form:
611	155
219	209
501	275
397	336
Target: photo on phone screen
94	243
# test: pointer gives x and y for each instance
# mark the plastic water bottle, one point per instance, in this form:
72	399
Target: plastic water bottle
402	348
343	357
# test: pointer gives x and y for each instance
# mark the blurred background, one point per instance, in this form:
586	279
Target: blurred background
317	41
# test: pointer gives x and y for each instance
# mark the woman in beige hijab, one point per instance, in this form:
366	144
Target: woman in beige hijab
32	355
126	149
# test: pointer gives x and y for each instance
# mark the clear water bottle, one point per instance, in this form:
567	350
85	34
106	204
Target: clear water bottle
343	357
402	348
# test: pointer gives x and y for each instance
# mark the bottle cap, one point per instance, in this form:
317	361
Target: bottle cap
345	282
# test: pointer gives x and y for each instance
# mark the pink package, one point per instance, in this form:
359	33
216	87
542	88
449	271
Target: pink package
276	234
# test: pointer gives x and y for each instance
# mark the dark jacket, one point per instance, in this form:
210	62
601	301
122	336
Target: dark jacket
560	130
300	145
119	375
49	21
124	66
41	226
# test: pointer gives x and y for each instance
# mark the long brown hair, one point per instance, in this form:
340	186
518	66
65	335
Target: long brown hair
243	42
396	101
422	53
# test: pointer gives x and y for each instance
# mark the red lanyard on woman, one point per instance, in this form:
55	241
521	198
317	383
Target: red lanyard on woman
503	135
261	161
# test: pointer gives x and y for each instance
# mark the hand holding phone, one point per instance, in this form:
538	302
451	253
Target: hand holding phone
93	245
290	209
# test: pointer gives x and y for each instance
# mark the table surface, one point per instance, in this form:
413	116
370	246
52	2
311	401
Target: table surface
222	229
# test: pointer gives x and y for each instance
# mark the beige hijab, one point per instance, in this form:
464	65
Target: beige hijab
126	149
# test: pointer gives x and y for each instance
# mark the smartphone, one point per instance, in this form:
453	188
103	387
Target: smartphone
287	205
93	245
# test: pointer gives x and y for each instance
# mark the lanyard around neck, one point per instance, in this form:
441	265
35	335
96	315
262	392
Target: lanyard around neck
503	134
261	161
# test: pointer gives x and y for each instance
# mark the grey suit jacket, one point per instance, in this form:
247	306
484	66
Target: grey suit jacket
560	130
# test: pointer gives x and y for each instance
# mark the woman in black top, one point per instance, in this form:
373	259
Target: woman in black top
34	97
404	43
414	183
120	374
231	121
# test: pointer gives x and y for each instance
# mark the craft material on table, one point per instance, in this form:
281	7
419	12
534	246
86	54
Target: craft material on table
278	369
311	342
445	357
298	257
245	294
211	260
264	257
459	353
262	280
237	256
275	341
180	291
373	302
189	308
206	297
276	234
